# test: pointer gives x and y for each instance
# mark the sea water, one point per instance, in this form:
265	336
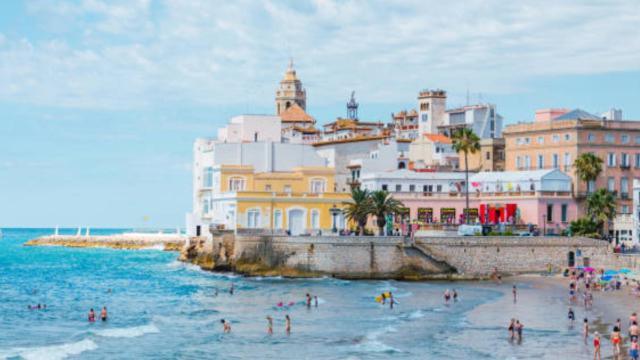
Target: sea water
160	308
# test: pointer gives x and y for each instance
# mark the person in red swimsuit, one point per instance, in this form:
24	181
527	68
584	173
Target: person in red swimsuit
596	346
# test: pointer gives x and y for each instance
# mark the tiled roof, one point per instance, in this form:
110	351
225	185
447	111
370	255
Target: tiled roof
296	114
578	114
438	138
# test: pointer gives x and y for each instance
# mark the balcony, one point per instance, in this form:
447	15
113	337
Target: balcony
625	166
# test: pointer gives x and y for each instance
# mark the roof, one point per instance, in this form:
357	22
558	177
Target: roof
512	176
438	138
413	175
306	130
578	114
296	114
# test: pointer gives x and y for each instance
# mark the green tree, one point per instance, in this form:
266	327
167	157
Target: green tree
382	204
601	207
466	141
359	208
584	226
588	167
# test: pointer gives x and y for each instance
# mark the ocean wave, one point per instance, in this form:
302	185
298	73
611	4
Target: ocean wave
181	265
51	352
129	332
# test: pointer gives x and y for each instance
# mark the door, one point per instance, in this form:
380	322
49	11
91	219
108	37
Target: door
296	222
571	259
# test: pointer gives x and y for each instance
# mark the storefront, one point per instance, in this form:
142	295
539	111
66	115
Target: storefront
448	215
498	213
425	215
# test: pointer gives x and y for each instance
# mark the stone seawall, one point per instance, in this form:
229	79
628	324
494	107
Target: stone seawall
389	257
167	242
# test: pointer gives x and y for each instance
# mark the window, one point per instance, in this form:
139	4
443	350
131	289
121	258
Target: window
488	155
267	187
567	161
527	141
412	188
611	183
540	161
527	162
425	117
624	186
611	159
277	219
624	139
398	187
637	139
438	188
315	219
518	163
253	218
638	160
374	155
236	184
205	206
207	177
549	212
610	138
625	209
385	187
563	213
555	138
624	160
591	137
556	161
591	186
355	174
567	137
287	188
540	140
318	186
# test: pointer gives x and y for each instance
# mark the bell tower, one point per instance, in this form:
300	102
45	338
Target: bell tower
290	91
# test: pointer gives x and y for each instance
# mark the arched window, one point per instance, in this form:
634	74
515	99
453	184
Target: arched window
236	184
315	219
287	105
318	186
253	218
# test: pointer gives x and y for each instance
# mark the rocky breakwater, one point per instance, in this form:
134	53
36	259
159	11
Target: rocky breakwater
167	242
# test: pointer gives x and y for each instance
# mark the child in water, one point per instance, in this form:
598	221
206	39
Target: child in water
92	316
226	326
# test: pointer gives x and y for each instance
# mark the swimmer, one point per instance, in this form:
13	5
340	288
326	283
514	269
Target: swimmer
514	291
571	316
103	313
226	326
596	346
616	339
287	324
585	329
308	301
92	316
634	349
269	325
315	301
455	295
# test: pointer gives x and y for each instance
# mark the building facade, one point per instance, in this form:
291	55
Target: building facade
433	151
290	91
490	157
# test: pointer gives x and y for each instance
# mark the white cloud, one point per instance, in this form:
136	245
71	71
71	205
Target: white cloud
203	52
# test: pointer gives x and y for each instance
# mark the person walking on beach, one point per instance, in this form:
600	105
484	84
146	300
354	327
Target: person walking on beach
269	325
287	324
571	316
596	346
103	313
634	349
585	329
616	339
512	329
514	291
226	326
634	331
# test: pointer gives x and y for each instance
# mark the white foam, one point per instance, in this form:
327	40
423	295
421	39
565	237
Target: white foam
129	332
416	314
51	352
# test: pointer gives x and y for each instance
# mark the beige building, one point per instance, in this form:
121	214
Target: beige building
432	151
557	137
489	158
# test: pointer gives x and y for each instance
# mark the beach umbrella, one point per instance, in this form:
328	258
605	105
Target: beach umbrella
589	269
625	271
607	278
611	272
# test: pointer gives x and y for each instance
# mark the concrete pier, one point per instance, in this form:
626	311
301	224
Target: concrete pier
167	242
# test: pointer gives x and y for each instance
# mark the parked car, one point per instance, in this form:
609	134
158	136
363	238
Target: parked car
469	230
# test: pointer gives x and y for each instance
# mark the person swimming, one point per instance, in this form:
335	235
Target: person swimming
103	313
269	325
92	316
392	300
287	324
226	326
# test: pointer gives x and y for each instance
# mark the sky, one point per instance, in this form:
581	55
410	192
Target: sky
100	101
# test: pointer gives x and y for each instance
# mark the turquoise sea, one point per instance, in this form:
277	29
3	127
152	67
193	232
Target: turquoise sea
163	309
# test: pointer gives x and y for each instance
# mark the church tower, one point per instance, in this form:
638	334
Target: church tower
290	91
431	110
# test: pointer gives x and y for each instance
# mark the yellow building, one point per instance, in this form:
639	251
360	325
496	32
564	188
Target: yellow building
299	201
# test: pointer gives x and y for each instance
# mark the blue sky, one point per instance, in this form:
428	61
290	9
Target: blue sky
100	100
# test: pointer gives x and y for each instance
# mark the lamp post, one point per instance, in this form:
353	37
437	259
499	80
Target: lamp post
334	212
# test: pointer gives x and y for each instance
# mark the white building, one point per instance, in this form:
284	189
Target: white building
431	110
624	229
353	157
251	128
549	180
482	119
411	181
432	151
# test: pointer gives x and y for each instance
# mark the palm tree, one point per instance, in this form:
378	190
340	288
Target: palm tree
359	208
588	166
601	207
467	141
382	204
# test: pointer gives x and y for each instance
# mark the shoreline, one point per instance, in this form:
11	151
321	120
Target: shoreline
131	241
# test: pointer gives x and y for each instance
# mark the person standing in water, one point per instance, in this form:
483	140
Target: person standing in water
455	295
392	300
231	289
287	324
514	291
634	349
226	326
447	296
308	301
519	326
315	301
512	329
585	329
103	313
269	325
571	316
616	339
596	346
92	315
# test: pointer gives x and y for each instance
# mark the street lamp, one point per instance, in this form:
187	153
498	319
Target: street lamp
334	212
